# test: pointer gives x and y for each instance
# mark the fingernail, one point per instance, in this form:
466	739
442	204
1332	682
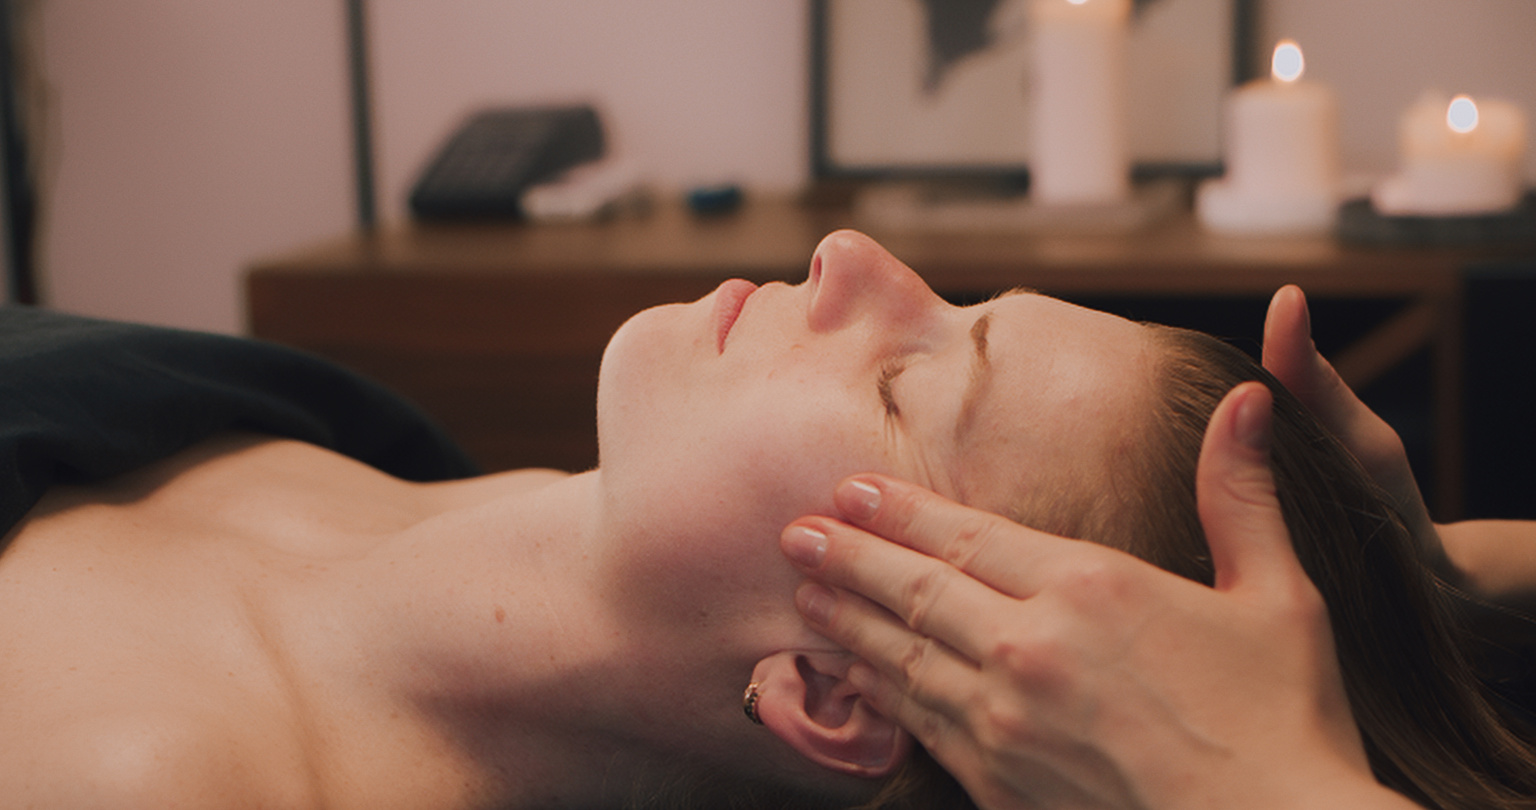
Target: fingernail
1252	423
858	500
815	603
804	546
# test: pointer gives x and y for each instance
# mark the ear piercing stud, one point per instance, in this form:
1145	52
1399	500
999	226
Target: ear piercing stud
749	702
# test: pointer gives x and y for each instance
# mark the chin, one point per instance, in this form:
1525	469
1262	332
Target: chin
627	377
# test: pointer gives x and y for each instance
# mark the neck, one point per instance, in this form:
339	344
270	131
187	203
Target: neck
504	630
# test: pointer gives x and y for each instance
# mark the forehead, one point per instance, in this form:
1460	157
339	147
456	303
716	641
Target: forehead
1069	388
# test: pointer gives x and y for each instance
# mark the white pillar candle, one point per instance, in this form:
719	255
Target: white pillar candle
1461	156
1079	155
1282	155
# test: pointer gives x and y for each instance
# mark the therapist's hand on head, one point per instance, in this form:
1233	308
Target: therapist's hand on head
1291	356
1045	672
1493	559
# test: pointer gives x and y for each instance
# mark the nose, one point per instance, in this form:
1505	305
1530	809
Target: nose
854	278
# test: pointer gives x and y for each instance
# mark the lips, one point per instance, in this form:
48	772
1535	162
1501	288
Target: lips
730	297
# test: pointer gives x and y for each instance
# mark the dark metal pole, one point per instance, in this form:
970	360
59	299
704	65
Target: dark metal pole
1244	44
20	208
362	115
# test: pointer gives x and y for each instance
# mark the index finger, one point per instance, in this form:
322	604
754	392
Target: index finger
1290	355
990	548
925	594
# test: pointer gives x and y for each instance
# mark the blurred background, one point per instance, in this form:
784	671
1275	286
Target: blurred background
182	139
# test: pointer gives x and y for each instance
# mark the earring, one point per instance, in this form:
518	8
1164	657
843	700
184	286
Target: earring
749	702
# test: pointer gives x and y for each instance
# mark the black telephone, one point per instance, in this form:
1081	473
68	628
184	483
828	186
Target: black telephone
491	159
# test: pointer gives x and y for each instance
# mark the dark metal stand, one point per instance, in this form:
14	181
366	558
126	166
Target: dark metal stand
362	115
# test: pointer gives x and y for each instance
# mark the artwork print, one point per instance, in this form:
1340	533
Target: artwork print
945	84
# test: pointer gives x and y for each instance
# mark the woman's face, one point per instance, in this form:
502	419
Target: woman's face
722	420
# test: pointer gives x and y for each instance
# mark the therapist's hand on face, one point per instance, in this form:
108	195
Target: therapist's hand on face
1044	672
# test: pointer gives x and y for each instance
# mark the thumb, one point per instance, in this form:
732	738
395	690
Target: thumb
1250	545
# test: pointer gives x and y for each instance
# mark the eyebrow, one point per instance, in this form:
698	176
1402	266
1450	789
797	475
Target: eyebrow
981	369
980	380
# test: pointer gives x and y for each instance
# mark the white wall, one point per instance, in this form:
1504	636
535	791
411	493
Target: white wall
190	137
185	138
1380	55
692	91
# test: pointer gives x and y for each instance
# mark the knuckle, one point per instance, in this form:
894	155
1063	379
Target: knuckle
1096	583
1293	605
971	536
1003	723
921	594
1038	662
1253	485
1303	605
1094	575
914	661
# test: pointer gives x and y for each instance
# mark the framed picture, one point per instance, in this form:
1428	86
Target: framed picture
911	88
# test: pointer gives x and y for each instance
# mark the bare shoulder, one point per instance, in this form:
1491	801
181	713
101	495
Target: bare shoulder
473	491
147	759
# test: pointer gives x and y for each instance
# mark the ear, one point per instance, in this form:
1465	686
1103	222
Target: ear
805	698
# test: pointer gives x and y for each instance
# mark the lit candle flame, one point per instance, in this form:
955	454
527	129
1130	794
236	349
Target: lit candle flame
1287	64
1461	116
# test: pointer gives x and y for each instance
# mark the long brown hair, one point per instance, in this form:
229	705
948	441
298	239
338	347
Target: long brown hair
1430	728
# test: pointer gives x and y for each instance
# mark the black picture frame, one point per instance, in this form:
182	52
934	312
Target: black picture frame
1232	63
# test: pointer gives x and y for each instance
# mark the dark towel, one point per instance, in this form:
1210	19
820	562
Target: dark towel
84	399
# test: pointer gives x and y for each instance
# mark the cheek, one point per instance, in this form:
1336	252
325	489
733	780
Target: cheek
734	454
703	527
779	452
791	447
703	516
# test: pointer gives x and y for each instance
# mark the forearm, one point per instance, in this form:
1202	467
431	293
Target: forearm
1495	558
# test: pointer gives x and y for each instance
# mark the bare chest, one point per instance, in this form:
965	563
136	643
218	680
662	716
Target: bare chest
137	617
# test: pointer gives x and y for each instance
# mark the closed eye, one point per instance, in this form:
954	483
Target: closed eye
888	374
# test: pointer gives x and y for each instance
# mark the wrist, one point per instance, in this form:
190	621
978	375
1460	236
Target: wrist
1492	559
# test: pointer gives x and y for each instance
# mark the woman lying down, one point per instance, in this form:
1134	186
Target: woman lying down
257	621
